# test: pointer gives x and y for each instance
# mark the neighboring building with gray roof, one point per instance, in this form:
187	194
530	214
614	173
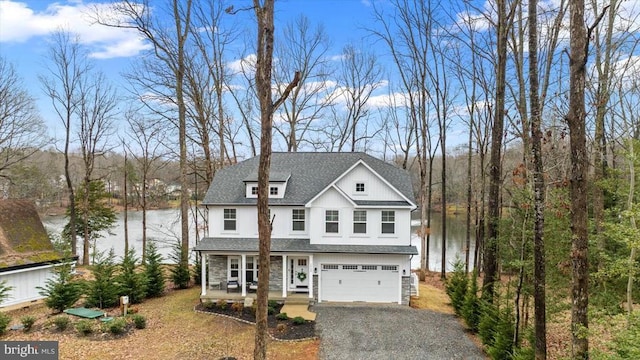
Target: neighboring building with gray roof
341	228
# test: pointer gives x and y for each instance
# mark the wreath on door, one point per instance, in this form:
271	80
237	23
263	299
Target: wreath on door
302	276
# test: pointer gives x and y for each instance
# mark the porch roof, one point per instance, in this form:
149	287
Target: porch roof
250	245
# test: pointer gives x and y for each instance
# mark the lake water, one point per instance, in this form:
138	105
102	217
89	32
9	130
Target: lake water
455	244
163	226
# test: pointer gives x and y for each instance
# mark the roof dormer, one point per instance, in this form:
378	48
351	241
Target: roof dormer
277	185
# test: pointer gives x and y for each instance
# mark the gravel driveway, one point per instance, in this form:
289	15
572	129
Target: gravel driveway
390	332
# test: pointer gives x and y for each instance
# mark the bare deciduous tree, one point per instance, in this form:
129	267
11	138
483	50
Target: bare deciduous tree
68	68
264	62
146	139
96	110
578	181
302	48
22	131
358	76
407	38
169	42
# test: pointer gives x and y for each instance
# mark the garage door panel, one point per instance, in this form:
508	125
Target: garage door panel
348	282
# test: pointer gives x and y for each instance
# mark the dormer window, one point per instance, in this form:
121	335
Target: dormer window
254	190
273	190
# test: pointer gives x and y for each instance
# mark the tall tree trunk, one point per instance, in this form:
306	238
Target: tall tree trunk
634	226
539	273
495	163
603	94
126	209
467	246
578	181
264	61
443	179
264	54
182	33
85	222
72	202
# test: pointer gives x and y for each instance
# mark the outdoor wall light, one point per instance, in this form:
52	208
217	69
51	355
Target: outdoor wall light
404	271
315	270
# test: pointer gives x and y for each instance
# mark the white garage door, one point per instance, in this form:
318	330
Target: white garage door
355	282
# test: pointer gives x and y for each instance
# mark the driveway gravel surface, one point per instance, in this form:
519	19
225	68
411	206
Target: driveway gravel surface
390	332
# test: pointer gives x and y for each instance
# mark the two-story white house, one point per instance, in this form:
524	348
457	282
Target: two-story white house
341	228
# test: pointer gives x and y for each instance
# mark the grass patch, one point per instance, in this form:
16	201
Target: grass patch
432	298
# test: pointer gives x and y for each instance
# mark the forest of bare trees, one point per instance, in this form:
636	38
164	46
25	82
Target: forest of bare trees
523	115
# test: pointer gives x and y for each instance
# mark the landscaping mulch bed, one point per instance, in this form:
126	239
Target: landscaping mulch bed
279	329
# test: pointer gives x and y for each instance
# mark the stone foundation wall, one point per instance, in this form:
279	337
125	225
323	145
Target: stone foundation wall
406	290
217	271
275	274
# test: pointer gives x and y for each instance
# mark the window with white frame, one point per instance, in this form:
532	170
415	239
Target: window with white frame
252	269
229	219
360	188
388	222
254	190
298	219
359	222
234	268
331	222
273	190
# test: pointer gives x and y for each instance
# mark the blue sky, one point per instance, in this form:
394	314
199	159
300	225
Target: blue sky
26	25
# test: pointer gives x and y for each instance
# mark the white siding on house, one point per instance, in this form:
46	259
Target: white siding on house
334	200
375	188
24	283
247	222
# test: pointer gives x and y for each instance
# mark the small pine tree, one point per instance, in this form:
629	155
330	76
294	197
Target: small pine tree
197	271
488	322
4	291
103	291
153	271
502	346
179	273
61	290
471	305
456	287
132	283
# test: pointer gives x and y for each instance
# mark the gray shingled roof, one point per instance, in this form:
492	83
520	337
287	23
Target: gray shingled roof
311	172
233	245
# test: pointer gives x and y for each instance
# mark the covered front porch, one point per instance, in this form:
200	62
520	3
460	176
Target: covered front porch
215	295
233	276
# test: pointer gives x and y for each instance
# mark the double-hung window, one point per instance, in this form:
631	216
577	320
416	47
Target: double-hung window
331	221
359	222
229	219
251	273
388	222
234	268
297	218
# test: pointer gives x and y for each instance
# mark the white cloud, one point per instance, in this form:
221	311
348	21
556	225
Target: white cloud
19	23
245	64
396	99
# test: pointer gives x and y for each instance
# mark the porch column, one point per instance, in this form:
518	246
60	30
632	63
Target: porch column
310	277
284	276
203	272
243	274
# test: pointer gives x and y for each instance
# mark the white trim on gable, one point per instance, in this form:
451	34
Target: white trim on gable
336	180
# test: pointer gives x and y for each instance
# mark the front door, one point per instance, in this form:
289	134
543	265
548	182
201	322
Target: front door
299	273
